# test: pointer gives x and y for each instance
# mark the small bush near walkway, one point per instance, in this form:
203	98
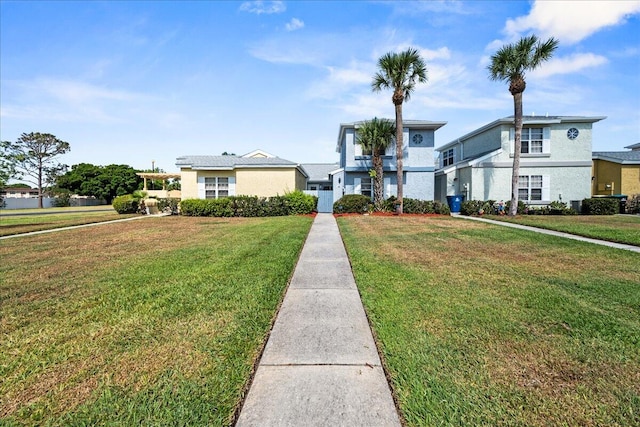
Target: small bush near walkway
126	204
353	203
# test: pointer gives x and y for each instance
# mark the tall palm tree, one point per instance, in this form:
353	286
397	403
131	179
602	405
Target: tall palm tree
510	64
399	72
375	136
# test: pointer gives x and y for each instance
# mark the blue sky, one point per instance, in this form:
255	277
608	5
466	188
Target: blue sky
131	82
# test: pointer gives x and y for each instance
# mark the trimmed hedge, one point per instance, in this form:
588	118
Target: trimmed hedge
415	206
294	203
489	207
353	203
357	203
600	206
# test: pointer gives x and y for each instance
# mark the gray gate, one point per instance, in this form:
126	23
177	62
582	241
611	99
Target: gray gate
325	201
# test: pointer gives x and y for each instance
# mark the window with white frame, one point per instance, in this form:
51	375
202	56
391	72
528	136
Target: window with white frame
531	140
366	187
216	187
530	187
447	157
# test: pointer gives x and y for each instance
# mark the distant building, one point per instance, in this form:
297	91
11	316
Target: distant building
18	192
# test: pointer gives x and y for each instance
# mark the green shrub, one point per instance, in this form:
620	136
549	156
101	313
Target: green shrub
300	203
415	206
478	207
207	207
600	206
126	204
470	207
249	206
294	203
353	203
62	198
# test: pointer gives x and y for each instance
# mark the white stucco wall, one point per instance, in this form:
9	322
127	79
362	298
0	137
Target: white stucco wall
419	185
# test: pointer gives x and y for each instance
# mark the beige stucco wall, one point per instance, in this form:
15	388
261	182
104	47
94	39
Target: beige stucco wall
625	179
630	180
267	182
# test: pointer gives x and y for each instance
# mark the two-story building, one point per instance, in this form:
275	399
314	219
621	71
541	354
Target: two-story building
555	161
352	175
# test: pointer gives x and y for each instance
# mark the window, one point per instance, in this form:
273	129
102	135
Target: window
366	187
447	157
361	151
216	187
531	140
530	187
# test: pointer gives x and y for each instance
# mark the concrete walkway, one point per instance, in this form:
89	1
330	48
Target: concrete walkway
320	366
554	233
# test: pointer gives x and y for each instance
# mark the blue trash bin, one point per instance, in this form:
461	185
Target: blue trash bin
455	202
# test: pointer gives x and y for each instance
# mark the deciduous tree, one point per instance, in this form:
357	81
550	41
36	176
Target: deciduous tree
103	182
34	158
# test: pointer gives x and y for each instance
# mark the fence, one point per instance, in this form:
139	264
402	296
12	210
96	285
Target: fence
47	202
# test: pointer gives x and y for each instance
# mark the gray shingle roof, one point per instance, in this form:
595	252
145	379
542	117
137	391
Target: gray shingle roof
624	157
231	162
319	171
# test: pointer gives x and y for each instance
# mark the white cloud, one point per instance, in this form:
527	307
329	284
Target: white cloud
69	100
80	92
342	80
569	64
572	21
429	54
259	7
294	24
430	6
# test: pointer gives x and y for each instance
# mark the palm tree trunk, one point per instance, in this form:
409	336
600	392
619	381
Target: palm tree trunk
517	146
378	181
399	154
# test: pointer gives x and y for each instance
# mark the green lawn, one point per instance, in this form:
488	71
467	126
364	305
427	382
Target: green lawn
153	322
29	220
486	325
614	228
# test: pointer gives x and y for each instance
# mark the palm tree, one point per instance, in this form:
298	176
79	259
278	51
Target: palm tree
510	64
375	136
399	72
